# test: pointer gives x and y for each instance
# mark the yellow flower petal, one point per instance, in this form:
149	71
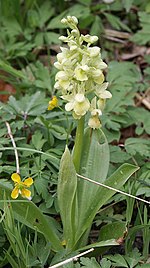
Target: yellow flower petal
28	182
15	193
16	177
25	193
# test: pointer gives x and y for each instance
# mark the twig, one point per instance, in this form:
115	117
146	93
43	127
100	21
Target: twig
113	189
143	100
118	34
75	258
14	146
115	39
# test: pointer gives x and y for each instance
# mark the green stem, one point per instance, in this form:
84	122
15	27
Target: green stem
78	144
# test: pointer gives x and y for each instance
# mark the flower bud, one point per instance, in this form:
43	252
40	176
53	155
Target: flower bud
89	39
64	21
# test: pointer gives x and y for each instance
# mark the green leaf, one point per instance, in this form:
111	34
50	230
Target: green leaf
97	26
131	236
112	230
33	18
116	180
116	22
145	265
128	4
28	105
11	260
89	262
94	165
141	117
55	23
31	101
37	140
118	260
138	145
117	155
66	190
79	11
9	69
132	261
106	243
142	37
129	70
58	132
26	212
46	11
105	263
52	38
122	95
85	2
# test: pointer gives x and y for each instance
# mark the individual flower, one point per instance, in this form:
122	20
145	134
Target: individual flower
20	186
52	103
102	93
63	79
81	72
79	104
97	76
94	122
93	51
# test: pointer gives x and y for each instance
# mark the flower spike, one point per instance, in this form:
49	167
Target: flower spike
80	75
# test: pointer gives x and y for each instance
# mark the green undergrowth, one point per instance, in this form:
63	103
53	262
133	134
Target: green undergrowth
29	32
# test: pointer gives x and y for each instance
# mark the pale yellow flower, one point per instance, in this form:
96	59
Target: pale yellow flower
79	104
101	91
81	73
94	122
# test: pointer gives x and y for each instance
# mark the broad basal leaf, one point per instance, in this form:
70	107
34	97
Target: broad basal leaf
116	180
66	190
94	165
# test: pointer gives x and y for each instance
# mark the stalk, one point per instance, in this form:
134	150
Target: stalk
77	151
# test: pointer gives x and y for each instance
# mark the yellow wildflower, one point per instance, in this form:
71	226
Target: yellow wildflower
53	103
20	186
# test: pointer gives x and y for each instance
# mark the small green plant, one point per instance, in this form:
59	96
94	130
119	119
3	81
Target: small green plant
24	248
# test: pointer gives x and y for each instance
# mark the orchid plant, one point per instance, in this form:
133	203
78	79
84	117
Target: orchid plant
81	83
80	79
